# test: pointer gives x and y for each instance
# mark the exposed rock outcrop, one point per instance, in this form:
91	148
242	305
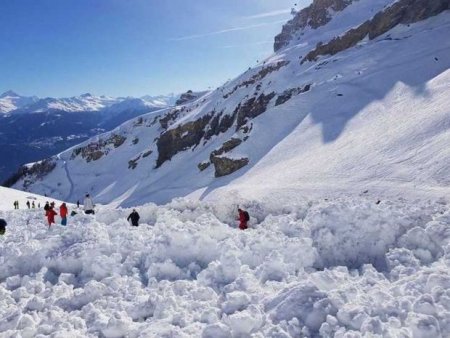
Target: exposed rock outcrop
288	93
168	118
226	147
191	133
37	171
225	166
401	12
132	164
203	165
265	70
252	108
95	150
147	153
187	97
181	138
315	15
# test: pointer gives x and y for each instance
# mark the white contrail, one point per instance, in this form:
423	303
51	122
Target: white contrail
268	14
233	29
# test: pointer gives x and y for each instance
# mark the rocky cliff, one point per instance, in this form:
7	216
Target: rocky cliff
401	12
315	15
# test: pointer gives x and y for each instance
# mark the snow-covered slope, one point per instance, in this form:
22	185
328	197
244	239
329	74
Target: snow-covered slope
8	196
10	101
360	101
338	268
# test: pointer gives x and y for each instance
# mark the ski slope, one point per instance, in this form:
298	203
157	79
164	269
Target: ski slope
341	267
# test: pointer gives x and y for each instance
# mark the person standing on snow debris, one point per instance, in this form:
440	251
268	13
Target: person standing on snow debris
15	205
33	205
46	206
28	204
134	217
243	219
88	205
78	204
50	213
2	226
63	213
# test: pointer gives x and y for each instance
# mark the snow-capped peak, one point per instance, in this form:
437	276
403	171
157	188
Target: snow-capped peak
10	101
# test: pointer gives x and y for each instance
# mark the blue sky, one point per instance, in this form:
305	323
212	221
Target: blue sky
132	47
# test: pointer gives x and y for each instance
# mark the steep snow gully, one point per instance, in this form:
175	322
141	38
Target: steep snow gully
340	267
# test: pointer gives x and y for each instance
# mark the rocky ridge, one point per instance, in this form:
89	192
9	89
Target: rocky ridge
315	15
401	12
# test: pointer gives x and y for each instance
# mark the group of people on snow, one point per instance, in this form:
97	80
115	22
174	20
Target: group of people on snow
50	211
28	204
133	217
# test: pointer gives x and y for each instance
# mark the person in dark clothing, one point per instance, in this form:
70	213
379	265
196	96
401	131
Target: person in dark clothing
46	206
78	204
2	226
28	204
134	217
243	219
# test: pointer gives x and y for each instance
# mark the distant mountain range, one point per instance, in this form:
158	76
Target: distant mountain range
32	127
13	103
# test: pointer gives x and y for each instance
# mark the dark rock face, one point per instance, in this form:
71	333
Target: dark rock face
203	165
226	166
401	12
314	16
147	153
187	97
219	124
169	118
191	133
132	164
95	150
266	70
252	108
226	147
288	93
37	171
181	138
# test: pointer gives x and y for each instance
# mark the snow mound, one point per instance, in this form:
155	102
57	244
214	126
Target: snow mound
339	267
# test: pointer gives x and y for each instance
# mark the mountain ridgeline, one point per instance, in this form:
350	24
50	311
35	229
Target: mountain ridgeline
343	73
33	128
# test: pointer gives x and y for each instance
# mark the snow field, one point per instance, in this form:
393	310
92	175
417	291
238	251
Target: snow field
343	267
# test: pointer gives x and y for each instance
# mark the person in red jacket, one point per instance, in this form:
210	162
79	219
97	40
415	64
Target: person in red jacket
63	213
243	219
50	213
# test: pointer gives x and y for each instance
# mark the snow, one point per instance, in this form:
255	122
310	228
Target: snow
338	267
